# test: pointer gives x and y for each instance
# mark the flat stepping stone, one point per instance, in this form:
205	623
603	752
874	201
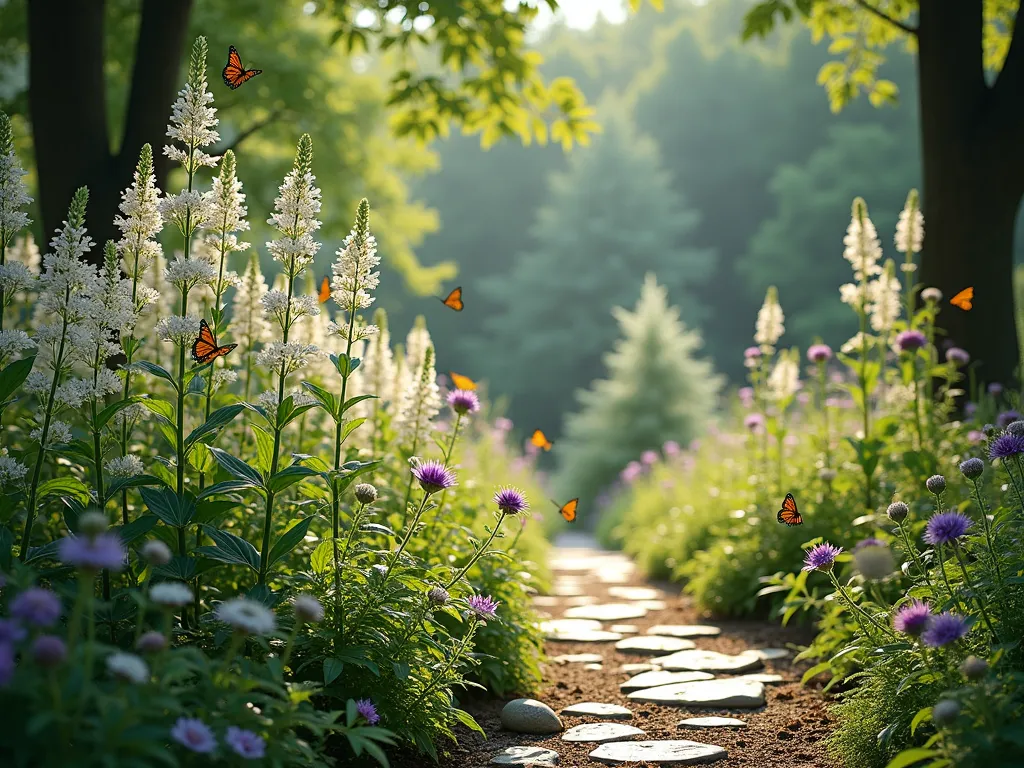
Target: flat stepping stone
625	629
602	733
635	593
581	600
762	677
607	612
709	661
584	636
555	626
669	752
685	630
745	694
652	605
578	658
529	716
633	669
653	644
567	590
615	577
593	667
712	722
656	678
545	601
526	756
769	654
598	710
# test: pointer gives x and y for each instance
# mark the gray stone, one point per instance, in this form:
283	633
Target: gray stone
725	692
585	636
633	669
769	654
674	752
635	593
709	661
761	677
712	722
601	733
598	710
607	612
526	756
529	716
557	626
653	644
578	658
685	630
656	678
624	629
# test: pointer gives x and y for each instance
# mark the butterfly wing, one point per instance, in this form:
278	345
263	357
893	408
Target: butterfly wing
234	73
325	290
219	352
964	299
205	344
789	514
540	440
462	382
454	299
568	510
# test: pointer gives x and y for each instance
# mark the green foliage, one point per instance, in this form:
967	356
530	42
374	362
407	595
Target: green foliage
655	392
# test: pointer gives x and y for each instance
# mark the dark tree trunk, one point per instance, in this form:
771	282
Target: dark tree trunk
973	160
67	104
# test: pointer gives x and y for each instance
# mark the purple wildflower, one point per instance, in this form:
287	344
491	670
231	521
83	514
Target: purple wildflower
36	606
946	527
870	542
369	712
752	353
957	356
632	471
975	436
49	651
11	632
151	642
483	607
746	395
972	468
511	501
754	422
193	734
433	476
910	341
463	401
970	409
1005	418
245	743
1015	427
936	484
6	663
995	389
671	448
502	424
649	457
944	629
821	558
819	353
104	550
912	618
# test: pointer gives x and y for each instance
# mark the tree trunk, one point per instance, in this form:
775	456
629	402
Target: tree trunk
67	104
973	181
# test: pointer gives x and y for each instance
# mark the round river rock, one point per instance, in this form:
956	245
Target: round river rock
529	716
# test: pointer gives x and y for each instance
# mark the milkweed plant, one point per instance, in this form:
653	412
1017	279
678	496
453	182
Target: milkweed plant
909	473
277	551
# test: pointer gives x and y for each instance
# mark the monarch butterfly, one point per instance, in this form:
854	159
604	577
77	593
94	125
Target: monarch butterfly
462	382
568	510
453	300
789	514
325	290
234	73
204	348
538	438
964	299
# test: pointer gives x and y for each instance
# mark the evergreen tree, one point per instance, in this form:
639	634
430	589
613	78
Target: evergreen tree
612	216
655	391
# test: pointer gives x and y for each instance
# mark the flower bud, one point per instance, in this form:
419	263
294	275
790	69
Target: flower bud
936	484
1015	427
974	668
366	493
92	523
973	468
438	596
898	512
945	712
151	642
155	552
49	651
308	609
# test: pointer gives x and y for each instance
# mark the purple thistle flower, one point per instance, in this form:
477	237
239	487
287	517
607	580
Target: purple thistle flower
821	558
946	527
754	422
972	468
433	476
36	606
957	356
1005	418
649	457
752	353
463	401
369	712
6	663
11	632
511	501
49	651
193	734
870	542
912	618
245	743
819	353
104	550
944	629
483	607
910	341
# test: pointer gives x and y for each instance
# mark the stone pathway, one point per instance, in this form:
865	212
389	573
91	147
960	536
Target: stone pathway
670	689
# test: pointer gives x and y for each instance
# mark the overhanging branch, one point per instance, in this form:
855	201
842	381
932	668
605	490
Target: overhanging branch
886	17
258	125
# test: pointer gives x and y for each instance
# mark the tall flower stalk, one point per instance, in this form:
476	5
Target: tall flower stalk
909	240
13	199
421	402
248	324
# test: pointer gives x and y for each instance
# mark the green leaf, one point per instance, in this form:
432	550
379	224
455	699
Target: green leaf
401	669
817	669
174	510
237	468
118	484
208	511
185	568
467	720
217	421
200	459
230	549
161	408
327	400
351	426
332	669
922	716
288	541
911	756
14	375
64	486
196	384
111	410
322	559
354	400
228	486
288	477
136	529
154	370
264	449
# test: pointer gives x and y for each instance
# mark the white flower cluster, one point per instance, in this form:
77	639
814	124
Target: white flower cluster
421	400
124	466
180	330
129	415
277	306
858	343
222	377
11	470
784	379
770	321
354	277
300	397
67	281
884	300
295	210
13	341
140	221
910	227
13	192
186	273
286	356
15	277
193	120
863	249
59	432
248	323
25	250
227	209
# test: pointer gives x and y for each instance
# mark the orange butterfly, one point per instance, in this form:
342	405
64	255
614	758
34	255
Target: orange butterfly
234	73
325	290
789	514
540	440
963	299
453	300
462	382
568	510
205	349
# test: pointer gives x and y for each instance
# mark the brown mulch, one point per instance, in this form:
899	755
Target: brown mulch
789	732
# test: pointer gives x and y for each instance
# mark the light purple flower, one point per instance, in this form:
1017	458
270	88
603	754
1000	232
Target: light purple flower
369	712
1004	419
36	606
995	389
483	607
819	353
103	551
912	618
752	353
649	457
821	558
433	476
944	629
463	401
1005	446
746	395
976	436
49	651
970	409
754	422
511	501
245	743
193	734
632	471
870	542
957	356
910	341
671	448
947	527
11	632
502	424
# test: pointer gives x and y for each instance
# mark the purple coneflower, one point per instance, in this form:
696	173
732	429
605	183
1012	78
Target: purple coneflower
511	501
957	356
36	606
819	353
754	422
103	551
912	618
483	607
193	734
910	341
245	743
369	712
463	401
821	558
946	527
943	629
433	476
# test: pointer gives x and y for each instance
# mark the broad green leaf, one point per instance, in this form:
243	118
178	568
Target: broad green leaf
264	449
118	484
332	669
354	400
288	477
176	511
817	669
922	716
288	541
217	421
14	375
327	400
201	460
161	408
63	486
228	486
135	529
322	559
237	468
230	549
111	410
154	370
911	756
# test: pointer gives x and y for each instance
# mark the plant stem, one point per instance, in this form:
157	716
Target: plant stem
456	655
977	595
988	531
857	611
945	578
477	554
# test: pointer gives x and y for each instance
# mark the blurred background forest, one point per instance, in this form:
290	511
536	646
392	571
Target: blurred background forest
719	168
